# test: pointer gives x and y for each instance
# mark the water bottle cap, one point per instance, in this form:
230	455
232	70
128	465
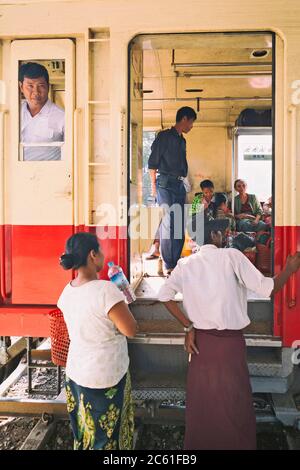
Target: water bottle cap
110	263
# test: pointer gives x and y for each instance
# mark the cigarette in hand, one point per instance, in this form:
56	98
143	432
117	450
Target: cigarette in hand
190	357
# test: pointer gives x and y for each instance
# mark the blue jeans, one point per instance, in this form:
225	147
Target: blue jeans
171	192
245	225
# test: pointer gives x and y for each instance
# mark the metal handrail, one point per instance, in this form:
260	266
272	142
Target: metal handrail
2	206
77	113
292	284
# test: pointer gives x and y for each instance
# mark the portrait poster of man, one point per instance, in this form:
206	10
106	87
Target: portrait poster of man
41	120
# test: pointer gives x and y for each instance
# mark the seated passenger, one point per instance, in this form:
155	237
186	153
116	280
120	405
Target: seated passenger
206	197
267	208
247	210
222	209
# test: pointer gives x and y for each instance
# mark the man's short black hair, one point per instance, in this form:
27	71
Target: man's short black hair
206	184
187	112
33	70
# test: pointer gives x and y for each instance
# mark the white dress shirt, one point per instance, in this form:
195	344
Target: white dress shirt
46	126
98	355
214	285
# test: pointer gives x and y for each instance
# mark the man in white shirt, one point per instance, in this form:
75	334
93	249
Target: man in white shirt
214	283
41	120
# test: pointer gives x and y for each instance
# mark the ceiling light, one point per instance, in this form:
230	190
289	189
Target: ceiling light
260	82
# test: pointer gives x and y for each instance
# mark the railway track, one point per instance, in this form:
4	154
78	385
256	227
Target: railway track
56	434
51	429
40	421
11	357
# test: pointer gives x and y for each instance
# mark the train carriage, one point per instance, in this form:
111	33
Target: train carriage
120	70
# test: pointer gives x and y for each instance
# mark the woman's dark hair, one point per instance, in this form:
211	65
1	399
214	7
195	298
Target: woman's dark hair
214	226
33	70
238	181
206	184
78	247
220	198
187	112
207	236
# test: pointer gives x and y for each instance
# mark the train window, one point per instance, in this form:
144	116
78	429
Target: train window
41	110
255	163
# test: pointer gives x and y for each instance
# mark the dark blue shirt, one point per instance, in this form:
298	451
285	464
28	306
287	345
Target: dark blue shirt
168	153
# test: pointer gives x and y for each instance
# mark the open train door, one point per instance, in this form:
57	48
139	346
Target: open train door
144	217
39	177
135	160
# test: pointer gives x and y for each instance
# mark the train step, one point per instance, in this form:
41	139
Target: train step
160	369
157	325
159	362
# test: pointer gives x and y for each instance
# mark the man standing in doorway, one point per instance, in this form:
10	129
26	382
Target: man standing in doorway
168	167
41	120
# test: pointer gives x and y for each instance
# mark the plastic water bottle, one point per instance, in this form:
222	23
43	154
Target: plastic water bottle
151	201
229	241
117	276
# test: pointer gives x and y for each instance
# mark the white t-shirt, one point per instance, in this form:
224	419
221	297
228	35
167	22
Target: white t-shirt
214	285
46	126
98	355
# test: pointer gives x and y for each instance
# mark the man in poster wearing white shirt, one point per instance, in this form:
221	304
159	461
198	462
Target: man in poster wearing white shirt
41	120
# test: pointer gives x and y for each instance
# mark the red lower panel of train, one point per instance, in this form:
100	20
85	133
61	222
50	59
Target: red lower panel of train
287	302
31	278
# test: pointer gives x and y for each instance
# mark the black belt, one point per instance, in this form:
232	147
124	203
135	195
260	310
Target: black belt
180	178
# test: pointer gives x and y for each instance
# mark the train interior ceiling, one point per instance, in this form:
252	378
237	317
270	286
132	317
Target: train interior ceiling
219	75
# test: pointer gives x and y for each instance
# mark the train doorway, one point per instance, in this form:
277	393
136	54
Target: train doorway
228	78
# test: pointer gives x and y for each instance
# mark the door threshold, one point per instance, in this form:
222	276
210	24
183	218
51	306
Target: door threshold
263	341
178	339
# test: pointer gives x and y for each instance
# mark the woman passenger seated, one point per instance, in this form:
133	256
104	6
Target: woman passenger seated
267	209
247	209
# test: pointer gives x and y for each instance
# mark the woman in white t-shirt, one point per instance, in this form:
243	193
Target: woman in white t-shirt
97	380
